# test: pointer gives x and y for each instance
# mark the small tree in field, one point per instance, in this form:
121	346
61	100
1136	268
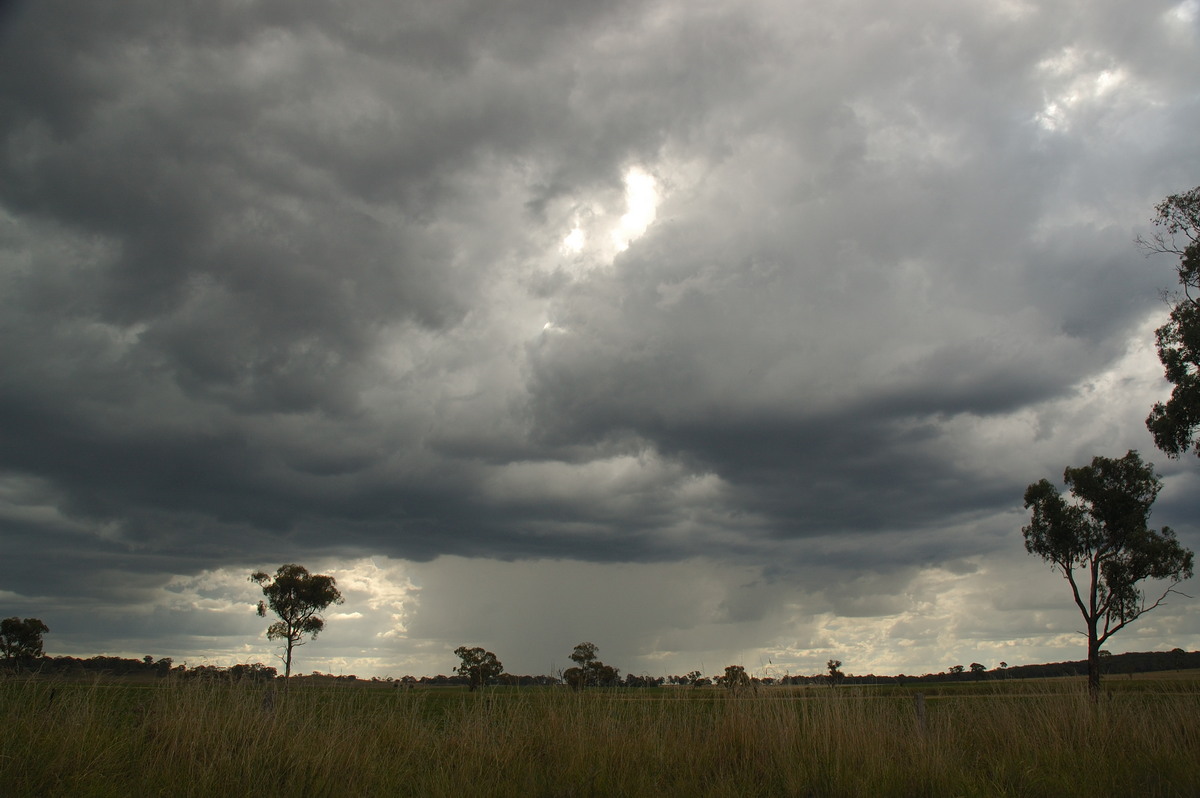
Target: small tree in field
1101	544
735	678
586	665
22	639
296	596
589	671
835	673
478	666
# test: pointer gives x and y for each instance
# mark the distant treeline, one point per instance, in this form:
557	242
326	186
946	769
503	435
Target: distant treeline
1116	664
147	666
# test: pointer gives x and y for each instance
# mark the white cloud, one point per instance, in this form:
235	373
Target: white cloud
1186	12
1077	83
641	203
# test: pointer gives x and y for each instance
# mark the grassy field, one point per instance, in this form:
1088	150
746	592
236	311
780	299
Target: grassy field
1016	738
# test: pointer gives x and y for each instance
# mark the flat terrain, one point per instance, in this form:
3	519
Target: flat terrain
991	738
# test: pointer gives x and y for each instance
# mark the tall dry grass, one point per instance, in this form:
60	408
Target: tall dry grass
187	739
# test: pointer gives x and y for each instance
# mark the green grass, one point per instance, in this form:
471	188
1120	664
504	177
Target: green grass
998	739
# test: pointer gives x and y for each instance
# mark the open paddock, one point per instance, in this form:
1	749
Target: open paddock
997	738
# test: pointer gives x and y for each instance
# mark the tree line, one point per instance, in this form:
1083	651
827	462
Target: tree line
734	678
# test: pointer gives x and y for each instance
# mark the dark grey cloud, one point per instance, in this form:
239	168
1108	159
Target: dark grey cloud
288	281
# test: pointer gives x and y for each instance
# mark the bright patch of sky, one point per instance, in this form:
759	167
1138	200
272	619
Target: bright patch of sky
587	239
575	240
641	199
1187	11
1074	83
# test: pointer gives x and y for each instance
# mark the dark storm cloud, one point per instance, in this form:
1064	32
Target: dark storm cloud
257	193
284	279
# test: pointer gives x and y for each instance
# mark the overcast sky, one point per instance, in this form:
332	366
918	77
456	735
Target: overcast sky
709	332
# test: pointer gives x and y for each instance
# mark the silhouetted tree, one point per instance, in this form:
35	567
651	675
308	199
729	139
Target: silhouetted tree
478	666
1103	534
252	672
576	678
22	639
606	675
584	654
735	678
296	596
1174	423
835	673
586	664
589	671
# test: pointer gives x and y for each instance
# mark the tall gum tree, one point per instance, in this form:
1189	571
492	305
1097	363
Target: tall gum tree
1174	423
1102	545
296	596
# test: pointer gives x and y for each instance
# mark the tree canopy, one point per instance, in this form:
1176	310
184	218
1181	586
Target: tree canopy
735	678
1174	423
1101	542
835	673
22	639
478	666
296	596
589	671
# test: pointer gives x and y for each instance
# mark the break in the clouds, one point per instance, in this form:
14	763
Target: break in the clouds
708	332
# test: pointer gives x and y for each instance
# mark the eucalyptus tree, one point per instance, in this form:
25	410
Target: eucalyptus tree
1101	543
1174	423
478	666
834	666
22	639
735	678
589	671
296	596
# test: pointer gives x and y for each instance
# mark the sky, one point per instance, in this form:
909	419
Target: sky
709	332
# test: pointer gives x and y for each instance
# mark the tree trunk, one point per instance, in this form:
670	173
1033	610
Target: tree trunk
287	663
1093	668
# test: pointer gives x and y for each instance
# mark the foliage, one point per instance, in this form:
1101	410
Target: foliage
835	674
22	639
589	671
1175	422
141	671
296	596
644	680
480	667
584	654
596	674
735	678
1103	534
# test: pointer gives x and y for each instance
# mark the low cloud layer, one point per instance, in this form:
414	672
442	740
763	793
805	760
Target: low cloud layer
705	331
